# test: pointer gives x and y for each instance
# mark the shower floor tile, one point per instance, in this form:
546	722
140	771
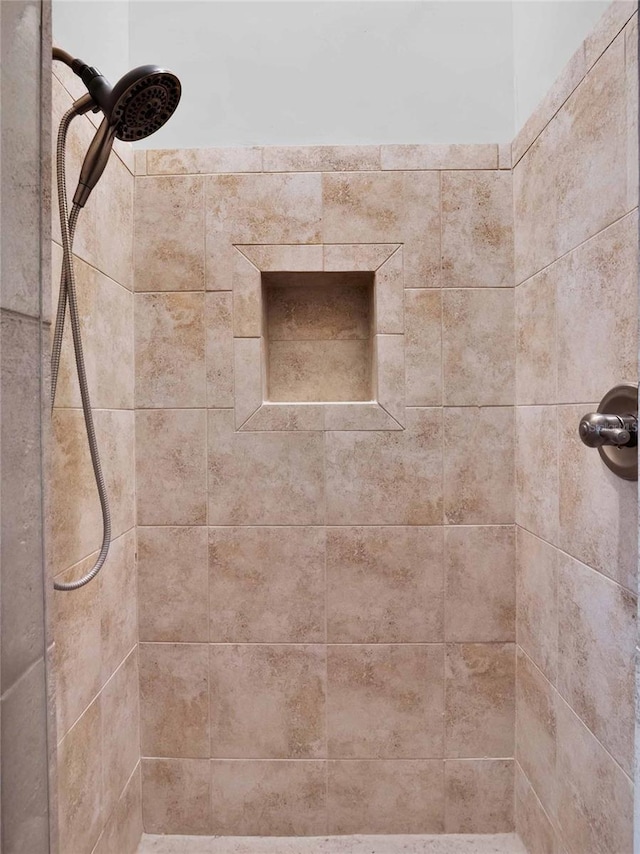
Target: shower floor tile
501	843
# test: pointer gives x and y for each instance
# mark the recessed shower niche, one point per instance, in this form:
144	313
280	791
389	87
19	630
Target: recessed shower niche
318	330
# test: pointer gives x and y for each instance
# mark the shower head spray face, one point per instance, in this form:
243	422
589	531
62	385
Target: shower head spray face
142	101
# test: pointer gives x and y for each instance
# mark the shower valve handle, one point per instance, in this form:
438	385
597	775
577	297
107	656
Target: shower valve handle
599	429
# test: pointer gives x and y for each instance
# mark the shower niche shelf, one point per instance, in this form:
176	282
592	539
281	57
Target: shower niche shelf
318	336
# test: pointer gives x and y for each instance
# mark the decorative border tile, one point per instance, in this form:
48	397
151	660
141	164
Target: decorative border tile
253	412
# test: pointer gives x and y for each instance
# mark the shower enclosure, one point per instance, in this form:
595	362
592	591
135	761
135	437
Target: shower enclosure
364	577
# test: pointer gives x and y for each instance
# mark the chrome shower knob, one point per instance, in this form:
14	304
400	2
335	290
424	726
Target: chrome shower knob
613	430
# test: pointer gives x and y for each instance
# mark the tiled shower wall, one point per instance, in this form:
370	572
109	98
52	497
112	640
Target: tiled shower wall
326	599
95	628
576	263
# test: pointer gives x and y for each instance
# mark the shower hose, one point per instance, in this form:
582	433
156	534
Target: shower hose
68	296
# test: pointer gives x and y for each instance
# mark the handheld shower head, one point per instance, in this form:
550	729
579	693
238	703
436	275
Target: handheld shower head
140	103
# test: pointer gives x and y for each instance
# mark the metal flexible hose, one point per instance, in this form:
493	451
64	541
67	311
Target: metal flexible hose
68	296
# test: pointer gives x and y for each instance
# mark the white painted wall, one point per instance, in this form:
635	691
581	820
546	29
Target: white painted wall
545	35
352	72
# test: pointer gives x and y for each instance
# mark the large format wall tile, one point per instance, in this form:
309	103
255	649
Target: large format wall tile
478	466
171	476
269	798
170	350
537	606
118	603
572	182
388	478
385	701
479	795
267	701
384	585
267	585
173	584
537	470
387	207
598	510
479	692
120	731
423	347
176	795
477	229
596	649
264	478
174	700
385	796
123	829
536	345
480	588
595	797
169	234
532	823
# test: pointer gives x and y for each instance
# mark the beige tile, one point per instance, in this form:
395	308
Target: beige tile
477	229
170	350
596	648
385	796
384	585
170	467
267	701
321	158
301	371
478	347
120	732
140	162
423	347
77	649
291	258
612	21
174	700
176	796
319	306
595	797
173	584
479	795
25	759
480	584
597	306
504	156
287	416
439	156
264	478
106	323
122	832
118	603
600	533
269	798
76	519
537	611
390	373
536	731
391	207
194	161
358	416
631	63
386	478
247	298
169	234
80	783
536	343
389	296
479	691
267	585
218	326
532	823
385	701
249	391
261	208
537	471
478	478
570	76
22	607
577	164
356	256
